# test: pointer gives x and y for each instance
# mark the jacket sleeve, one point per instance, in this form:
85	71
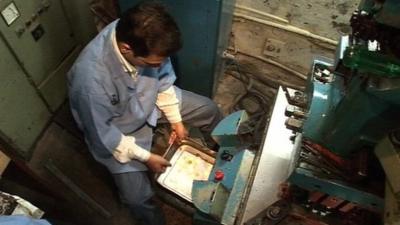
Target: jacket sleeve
167	76
101	134
21	220
167	100
168	103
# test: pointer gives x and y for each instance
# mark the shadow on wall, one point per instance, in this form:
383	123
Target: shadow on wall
104	12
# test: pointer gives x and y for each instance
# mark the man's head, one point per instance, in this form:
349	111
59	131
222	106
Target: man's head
147	34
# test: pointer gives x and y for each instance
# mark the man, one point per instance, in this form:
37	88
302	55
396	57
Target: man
120	86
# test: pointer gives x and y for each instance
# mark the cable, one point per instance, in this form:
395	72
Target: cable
272	62
249	93
253	127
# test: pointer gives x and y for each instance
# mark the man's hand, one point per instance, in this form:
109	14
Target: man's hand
180	130
157	163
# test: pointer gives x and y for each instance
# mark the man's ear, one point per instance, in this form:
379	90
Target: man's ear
124	48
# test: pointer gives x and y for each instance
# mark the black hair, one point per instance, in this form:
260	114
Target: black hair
149	29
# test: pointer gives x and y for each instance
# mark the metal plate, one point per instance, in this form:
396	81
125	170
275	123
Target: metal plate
188	164
54	39
10	13
274	163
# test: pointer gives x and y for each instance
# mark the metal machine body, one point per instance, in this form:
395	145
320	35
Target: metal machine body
331	123
351	103
353	111
253	175
385	12
244	178
218	199
30	36
38	46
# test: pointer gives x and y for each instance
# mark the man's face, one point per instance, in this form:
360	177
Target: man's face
150	60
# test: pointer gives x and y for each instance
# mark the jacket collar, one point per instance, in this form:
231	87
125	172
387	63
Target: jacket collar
111	58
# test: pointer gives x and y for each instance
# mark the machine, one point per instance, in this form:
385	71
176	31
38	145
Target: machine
351	104
31	26
34	63
333	149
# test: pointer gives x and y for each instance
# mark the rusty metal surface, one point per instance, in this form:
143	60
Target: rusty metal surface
272	215
332	202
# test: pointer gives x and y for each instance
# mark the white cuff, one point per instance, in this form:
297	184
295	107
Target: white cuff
128	150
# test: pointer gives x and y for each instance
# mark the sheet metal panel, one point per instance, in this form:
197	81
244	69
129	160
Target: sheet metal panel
39	57
275	162
23	115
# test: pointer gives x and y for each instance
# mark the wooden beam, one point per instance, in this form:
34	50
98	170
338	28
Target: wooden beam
4	161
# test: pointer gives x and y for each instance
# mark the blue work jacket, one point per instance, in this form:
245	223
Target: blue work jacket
107	102
21	220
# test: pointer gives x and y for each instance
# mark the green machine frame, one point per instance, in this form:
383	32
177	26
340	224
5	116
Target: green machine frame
351	104
37	46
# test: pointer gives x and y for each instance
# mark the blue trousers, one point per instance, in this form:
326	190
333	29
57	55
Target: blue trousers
135	191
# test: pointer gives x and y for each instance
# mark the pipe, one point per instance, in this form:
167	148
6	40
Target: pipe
275	63
268	82
261	13
287	27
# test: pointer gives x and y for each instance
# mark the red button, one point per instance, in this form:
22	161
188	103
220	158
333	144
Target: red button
219	175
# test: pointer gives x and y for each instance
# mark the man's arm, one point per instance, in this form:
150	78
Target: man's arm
96	117
168	103
128	150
